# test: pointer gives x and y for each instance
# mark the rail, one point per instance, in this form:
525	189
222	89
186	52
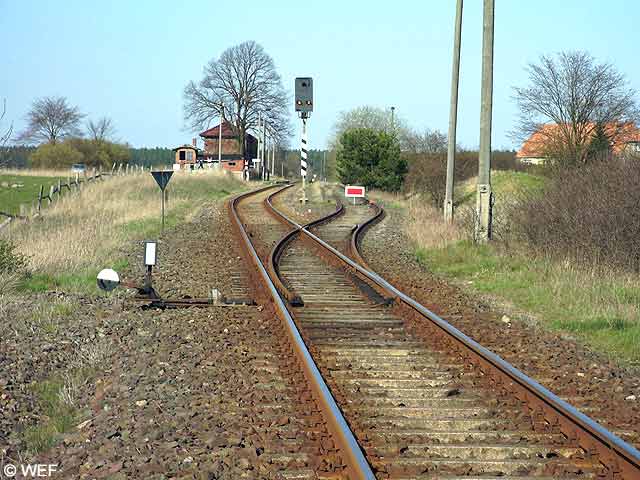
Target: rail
356	463
620	458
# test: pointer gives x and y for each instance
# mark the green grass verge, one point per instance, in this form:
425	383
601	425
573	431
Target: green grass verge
80	282
603	311
11	198
503	184
60	416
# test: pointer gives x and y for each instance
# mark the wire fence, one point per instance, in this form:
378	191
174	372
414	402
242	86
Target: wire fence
54	193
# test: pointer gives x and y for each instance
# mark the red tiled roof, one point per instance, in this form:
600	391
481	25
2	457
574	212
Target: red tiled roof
534	146
185	147
227	132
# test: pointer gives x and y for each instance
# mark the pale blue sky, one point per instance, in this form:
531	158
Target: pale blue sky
130	60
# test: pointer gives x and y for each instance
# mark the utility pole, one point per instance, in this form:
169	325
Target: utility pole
393	127
273	155
220	135
453	115
485	197
264	145
324	165
259	154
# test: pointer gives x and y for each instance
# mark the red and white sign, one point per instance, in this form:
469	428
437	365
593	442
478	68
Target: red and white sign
351	191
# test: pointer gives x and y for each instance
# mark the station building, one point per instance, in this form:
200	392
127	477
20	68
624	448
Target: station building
232	159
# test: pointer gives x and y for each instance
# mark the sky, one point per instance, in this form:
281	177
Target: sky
130	60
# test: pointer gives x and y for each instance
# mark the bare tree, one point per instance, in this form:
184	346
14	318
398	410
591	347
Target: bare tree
374	118
101	129
568	97
429	141
244	79
4	137
50	120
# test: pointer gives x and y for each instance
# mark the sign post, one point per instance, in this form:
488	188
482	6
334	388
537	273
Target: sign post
162	178
353	191
304	107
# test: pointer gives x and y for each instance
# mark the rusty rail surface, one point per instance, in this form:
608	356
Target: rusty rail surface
357	465
274	258
620	459
359	230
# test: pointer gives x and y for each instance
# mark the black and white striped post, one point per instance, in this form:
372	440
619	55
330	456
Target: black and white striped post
304	150
304	107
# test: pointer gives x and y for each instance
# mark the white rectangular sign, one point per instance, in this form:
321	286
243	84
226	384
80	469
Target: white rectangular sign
150	253
352	191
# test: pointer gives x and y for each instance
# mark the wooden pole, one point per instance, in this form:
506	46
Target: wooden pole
40	198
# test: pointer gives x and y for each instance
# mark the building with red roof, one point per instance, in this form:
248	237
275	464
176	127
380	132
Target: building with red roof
232	157
625	139
188	156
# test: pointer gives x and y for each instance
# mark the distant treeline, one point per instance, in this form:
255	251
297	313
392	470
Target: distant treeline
19	156
16	156
151	156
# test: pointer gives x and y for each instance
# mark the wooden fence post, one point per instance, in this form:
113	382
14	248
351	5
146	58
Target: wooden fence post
52	190
23	210
59	188
40	198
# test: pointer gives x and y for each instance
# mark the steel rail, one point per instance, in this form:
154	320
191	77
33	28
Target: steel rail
358	231
620	458
274	258
356	463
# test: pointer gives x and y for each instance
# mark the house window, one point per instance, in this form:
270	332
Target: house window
182	152
190	155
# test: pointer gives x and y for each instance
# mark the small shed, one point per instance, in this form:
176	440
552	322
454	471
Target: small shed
186	155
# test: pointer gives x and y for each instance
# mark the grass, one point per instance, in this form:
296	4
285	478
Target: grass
11	198
83	233
60	415
602	308
504	183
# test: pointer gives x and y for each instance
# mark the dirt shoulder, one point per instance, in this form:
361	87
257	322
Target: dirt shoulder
596	385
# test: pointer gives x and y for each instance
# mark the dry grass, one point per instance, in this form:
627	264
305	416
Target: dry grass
424	224
426	227
40	172
84	230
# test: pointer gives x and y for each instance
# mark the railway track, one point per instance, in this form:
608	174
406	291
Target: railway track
404	394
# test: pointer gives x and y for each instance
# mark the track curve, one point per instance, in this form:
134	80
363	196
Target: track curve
423	400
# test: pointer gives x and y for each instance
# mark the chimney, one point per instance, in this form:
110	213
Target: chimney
194	142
